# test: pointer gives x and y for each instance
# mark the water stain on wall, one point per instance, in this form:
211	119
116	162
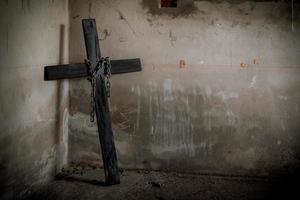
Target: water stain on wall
90	9
26	4
7	37
172	38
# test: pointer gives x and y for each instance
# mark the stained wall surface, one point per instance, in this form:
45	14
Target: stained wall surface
232	109
33	113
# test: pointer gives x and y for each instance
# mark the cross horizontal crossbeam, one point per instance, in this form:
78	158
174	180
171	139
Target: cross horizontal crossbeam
81	69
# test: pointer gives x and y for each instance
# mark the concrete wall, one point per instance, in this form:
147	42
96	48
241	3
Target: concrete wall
233	109
33	113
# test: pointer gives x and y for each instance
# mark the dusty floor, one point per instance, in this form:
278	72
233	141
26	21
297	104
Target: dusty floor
80	183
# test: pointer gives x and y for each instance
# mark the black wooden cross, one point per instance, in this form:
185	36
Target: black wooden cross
101	106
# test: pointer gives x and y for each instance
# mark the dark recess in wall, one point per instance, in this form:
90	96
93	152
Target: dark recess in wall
184	8
168	3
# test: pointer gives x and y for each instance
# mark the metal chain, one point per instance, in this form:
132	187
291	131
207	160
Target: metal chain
108	74
104	68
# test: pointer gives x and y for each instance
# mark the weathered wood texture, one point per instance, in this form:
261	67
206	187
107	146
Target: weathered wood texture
81	69
108	149
91	41
109	155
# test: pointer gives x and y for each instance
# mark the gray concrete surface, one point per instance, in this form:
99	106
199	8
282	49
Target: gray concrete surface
33	113
242	121
85	183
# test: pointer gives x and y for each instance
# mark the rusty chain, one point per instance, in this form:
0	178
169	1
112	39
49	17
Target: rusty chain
103	69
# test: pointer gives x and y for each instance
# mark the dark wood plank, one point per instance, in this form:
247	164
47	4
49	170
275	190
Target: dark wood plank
108	150
109	155
91	40
80	70
126	66
65	71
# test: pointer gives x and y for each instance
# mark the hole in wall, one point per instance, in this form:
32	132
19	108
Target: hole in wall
168	4
184	8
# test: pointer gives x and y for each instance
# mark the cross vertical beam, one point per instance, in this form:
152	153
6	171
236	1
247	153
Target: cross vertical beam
109	155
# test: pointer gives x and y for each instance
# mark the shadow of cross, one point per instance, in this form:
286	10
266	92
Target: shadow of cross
96	69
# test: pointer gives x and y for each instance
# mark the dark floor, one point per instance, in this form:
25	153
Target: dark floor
77	183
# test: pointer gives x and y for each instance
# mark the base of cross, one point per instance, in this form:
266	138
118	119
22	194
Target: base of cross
99	97
109	155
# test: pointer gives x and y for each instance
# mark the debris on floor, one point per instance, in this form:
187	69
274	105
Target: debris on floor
87	183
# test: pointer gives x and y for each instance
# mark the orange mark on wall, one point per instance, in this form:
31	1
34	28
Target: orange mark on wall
182	64
243	65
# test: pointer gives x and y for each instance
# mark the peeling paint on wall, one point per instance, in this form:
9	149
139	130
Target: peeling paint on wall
7	38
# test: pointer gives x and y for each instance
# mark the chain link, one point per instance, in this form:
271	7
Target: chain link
108	73
103	68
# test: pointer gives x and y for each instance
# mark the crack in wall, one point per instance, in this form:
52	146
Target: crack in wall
122	17
90	9
7	37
